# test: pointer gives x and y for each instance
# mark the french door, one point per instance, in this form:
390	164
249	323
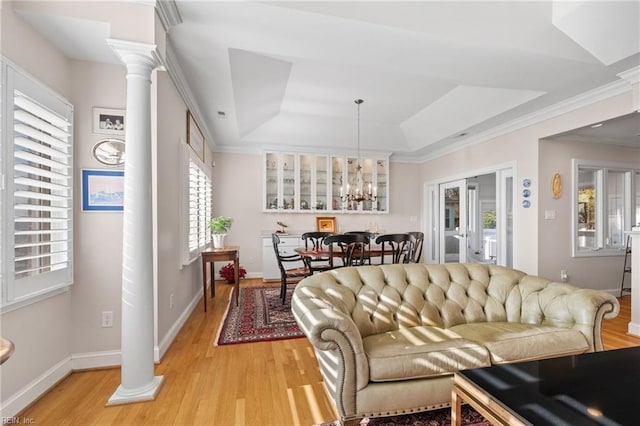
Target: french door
471	219
453	221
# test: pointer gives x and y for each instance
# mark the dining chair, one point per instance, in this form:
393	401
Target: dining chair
396	245
313	241
288	275
370	236
416	246
351	248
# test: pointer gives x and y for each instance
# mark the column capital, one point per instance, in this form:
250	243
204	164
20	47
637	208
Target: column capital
134	53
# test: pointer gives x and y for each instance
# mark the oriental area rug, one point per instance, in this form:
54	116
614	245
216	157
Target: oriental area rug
440	417
260	316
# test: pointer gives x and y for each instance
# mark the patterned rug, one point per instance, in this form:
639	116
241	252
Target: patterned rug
441	417
260	316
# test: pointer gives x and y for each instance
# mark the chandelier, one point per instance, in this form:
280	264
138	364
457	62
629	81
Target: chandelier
361	191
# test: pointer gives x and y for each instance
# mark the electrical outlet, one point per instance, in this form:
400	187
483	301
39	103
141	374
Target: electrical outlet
171	301
107	318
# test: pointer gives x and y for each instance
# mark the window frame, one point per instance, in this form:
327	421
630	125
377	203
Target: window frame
601	170
41	105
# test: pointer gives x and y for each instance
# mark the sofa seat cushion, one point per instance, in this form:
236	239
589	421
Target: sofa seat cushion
509	342
420	352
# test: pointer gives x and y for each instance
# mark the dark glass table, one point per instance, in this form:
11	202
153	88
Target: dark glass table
601	388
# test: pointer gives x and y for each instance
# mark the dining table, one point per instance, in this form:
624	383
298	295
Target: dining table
374	250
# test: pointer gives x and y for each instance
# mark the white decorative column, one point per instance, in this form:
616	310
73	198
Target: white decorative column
138	382
634	325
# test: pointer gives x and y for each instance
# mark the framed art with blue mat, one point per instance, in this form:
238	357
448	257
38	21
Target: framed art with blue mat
102	190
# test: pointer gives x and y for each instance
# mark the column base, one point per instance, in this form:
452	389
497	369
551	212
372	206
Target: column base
634	329
148	393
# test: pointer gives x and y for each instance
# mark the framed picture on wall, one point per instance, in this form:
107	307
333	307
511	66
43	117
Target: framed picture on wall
102	190
108	121
326	223
195	138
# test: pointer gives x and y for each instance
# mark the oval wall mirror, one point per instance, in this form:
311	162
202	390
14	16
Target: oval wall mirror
109	151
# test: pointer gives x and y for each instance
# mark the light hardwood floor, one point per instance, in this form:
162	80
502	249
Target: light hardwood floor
267	383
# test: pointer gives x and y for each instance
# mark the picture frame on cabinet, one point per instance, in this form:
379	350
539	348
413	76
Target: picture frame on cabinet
108	121
326	223
195	137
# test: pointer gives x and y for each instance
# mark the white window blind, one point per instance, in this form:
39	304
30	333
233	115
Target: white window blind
38	198
200	193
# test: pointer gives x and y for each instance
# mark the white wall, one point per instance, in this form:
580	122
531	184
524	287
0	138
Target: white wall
237	193
601	272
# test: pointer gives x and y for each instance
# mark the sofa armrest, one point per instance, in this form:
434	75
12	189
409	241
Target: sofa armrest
338	346
568	306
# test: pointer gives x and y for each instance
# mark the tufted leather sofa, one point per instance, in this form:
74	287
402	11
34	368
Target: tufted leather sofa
389	337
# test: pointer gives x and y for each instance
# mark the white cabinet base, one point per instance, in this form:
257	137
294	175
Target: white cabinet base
288	243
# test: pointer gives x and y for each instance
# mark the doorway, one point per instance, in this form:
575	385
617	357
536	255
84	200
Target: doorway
471	219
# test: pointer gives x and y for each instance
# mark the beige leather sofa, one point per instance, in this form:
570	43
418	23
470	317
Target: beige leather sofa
388	337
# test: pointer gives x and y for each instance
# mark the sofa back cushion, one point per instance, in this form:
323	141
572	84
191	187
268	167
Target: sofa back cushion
388	297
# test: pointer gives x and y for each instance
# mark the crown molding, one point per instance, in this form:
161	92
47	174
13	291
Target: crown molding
590	97
168	14
631	75
176	74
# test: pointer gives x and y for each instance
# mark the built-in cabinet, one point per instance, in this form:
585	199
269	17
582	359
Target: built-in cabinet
301	182
288	244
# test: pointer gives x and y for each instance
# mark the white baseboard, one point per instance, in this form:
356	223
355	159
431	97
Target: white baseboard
87	361
177	326
93	360
37	387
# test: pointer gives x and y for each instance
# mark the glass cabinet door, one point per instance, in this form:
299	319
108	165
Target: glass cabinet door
288	181
368	183
305	179
271	181
321	198
382	185
315	182
352	182
337	184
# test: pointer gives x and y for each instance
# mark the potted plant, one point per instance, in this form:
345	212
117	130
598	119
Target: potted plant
219	227
227	272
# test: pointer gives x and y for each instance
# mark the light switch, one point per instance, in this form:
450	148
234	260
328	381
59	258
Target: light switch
549	214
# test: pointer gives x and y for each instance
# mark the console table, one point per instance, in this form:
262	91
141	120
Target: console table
216	255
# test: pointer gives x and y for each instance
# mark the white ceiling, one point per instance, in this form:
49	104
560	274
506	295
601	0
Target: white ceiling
285	74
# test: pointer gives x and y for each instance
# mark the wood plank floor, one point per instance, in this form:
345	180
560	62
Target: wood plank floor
266	383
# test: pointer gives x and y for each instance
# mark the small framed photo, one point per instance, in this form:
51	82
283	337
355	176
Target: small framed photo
103	190
195	138
326	223
108	121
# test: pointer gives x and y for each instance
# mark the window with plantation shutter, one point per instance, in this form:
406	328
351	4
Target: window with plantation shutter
37	198
199	208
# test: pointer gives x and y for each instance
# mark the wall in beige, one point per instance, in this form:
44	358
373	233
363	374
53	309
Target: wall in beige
41	331
602	272
97	235
177	284
522	149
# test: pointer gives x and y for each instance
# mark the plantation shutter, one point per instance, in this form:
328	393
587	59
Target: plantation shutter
40	188
200	198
